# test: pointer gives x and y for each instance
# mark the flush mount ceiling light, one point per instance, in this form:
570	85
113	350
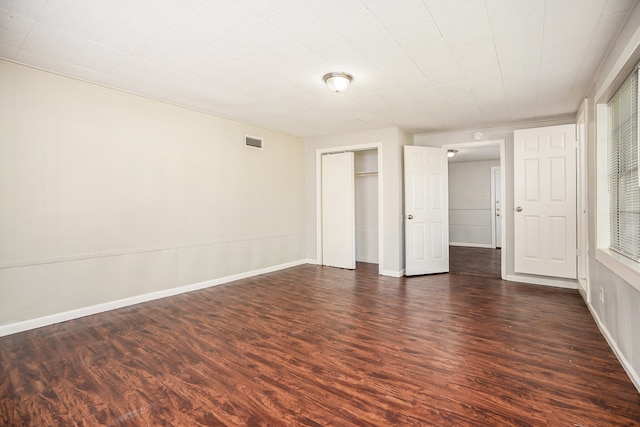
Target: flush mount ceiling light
337	82
451	153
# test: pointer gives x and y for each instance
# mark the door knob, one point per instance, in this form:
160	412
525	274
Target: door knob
518	209
409	216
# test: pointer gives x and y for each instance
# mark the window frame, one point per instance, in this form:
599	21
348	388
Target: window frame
621	265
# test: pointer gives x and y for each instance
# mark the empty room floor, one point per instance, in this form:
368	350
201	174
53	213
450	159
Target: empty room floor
319	346
474	261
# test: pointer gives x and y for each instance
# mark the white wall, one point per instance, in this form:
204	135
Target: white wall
366	190
391	141
107	195
619	315
470	203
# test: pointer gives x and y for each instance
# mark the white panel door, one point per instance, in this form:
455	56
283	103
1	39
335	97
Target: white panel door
426	208
338	211
545	201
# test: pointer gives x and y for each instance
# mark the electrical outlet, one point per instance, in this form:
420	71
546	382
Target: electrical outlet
601	295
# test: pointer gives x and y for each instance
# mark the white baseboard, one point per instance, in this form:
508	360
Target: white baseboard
472	245
392	273
13	328
633	375
558	283
367	260
583	285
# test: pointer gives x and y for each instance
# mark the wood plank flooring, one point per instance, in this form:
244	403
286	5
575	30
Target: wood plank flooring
474	261
314	346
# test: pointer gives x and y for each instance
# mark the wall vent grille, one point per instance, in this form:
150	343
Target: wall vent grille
252	141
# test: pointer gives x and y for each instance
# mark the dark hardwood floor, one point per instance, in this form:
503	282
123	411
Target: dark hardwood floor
474	261
316	346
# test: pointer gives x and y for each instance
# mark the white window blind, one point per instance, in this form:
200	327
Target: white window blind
623	169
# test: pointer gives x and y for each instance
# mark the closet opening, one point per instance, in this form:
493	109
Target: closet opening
349	207
366	206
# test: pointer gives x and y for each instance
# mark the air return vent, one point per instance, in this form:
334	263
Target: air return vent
252	141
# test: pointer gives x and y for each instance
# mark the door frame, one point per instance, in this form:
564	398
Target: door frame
494	240
360	147
501	143
582	208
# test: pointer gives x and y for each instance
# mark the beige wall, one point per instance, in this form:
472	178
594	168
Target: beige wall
106	195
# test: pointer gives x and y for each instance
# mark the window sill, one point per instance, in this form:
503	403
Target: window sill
622	266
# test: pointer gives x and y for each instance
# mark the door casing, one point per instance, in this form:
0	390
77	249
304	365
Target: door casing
501	144
582	208
497	208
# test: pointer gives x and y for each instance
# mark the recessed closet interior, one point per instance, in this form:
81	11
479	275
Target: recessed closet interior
366	206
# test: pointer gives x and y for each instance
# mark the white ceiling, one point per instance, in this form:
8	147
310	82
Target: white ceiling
422	65
476	154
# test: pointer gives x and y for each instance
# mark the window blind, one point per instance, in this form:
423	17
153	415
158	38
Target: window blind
623	169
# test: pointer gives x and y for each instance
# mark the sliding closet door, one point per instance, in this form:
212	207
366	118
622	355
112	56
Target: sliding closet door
338	210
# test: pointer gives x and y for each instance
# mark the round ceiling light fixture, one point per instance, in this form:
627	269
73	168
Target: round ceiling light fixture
337	82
